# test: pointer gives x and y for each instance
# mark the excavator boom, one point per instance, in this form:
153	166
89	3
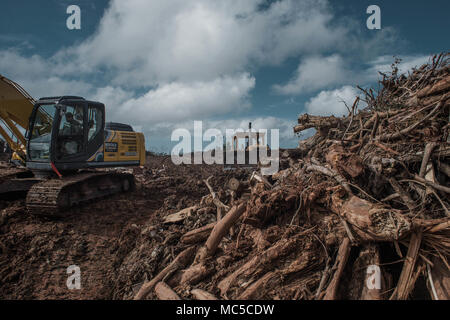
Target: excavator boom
16	106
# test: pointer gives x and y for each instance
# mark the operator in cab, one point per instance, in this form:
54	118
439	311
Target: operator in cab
71	128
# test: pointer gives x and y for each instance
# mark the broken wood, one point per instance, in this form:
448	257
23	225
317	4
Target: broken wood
432	184
257	289
341	261
200	294
404	195
261	179
164	292
236	185
322	124
221	207
258	264
197	235
426	157
222	227
367	282
375	222
195	273
405	284
179	262
180	215
397	135
439	278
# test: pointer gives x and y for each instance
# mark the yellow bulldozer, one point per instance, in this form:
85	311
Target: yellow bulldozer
60	145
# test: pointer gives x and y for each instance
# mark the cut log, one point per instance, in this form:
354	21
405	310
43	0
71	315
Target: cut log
322	124
222	227
257	289
181	261
195	273
405	284
164	292
258	264
180	215
197	235
341	261
200	294
439	87
426	157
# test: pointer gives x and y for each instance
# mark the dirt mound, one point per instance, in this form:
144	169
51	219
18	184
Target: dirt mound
360	213
35	252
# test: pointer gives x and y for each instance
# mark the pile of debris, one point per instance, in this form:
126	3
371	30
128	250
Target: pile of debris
360	212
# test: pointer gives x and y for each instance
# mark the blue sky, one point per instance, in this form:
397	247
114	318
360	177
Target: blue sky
160	65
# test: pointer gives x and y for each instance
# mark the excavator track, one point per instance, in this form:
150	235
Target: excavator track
52	197
15	182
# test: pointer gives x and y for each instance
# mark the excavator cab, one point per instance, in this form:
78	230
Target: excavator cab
65	131
69	133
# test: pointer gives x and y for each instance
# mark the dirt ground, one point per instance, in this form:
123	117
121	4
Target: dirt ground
35	252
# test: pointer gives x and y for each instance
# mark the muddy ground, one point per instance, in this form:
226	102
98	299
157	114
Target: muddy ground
35	252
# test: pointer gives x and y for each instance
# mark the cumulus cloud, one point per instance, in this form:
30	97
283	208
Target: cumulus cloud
331	102
148	42
177	101
315	73
40	77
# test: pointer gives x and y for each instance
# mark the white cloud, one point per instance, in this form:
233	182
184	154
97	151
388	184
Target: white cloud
178	101
40	77
315	73
330	102
150	42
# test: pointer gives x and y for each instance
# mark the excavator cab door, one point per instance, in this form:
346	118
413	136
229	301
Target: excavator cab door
80	132
71	132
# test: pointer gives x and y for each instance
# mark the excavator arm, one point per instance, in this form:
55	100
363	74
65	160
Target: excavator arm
16	106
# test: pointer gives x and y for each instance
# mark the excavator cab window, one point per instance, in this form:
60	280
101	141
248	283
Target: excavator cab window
41	134
95	120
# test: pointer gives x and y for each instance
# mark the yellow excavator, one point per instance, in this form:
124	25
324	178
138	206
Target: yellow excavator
61	146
